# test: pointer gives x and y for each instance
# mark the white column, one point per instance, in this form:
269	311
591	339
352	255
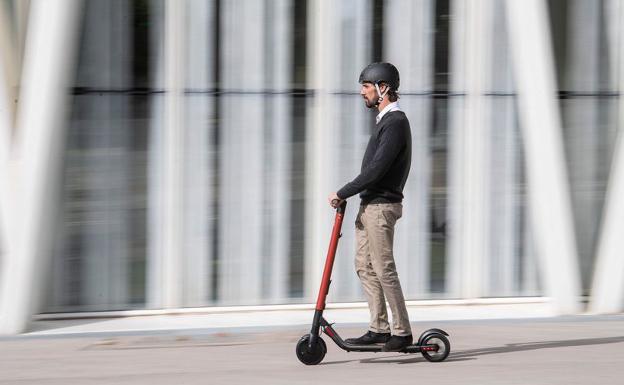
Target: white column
350	131
549	196
469	150
338	130
156	158
278	168
174	131
408	44
505	197
47	64
199	152
607	290
321	78
242	132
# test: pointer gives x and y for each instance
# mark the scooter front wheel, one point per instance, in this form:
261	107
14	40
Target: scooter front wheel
311	356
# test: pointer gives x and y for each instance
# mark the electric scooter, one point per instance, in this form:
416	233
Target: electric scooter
433	344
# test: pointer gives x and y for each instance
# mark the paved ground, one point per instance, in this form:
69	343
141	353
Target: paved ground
573	350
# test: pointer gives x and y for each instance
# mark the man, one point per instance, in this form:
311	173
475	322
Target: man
385	168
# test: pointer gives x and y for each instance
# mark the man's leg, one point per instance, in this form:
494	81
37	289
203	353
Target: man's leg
379	221
370	283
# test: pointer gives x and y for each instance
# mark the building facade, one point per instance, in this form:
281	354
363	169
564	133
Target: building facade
204	136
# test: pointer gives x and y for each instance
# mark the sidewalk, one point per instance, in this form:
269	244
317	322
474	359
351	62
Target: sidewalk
553	351
254	317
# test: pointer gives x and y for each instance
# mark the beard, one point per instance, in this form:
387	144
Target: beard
370	103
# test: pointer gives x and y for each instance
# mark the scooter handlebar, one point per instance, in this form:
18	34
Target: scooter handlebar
342	207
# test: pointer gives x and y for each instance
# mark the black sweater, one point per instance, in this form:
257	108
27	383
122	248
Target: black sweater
386	162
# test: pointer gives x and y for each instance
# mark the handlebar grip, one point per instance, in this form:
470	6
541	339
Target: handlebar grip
342	208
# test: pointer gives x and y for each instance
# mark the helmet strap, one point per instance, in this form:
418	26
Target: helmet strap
381	96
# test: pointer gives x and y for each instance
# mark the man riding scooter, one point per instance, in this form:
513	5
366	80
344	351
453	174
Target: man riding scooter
384	171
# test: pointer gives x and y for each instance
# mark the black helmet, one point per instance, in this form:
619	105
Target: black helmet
381	72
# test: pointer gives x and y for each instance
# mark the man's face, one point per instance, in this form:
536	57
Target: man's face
369	94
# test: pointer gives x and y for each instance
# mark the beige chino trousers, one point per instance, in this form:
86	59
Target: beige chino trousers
374	264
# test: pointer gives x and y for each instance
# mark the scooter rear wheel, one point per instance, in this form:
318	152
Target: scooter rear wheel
311	356
443	350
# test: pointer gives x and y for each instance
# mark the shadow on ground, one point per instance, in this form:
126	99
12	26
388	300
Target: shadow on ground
473	354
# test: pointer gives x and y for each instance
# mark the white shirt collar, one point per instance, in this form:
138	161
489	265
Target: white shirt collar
394	106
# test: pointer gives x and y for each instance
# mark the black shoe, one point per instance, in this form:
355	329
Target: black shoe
369	338
397	343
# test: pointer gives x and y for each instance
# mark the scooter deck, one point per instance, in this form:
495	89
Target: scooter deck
328	330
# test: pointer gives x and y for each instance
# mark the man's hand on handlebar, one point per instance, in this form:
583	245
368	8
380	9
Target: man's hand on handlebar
333	200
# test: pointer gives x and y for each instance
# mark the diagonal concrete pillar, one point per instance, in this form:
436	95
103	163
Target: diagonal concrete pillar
540	121
7	71
607	290
39	141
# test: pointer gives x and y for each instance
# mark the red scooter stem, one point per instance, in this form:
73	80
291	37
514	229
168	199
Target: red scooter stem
331	253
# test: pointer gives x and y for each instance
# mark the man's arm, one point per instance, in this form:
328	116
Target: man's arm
390	143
